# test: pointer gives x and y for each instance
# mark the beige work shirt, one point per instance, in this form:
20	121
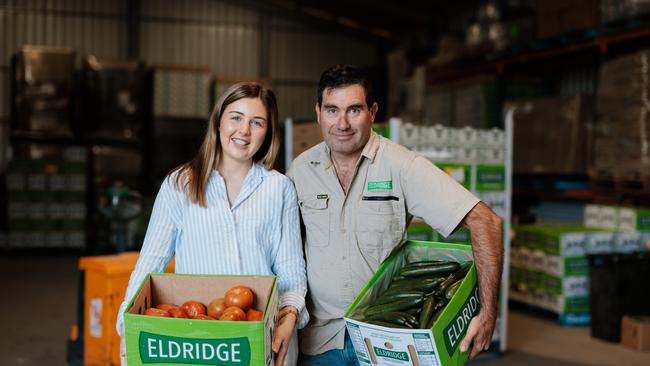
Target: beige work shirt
348	236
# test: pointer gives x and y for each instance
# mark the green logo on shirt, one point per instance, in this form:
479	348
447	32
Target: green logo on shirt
380	186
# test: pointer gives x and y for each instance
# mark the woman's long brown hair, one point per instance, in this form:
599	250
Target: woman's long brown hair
193	176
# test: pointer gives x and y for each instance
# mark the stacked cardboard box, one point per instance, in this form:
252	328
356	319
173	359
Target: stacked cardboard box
549	269
555	17
561	122
629	225
473	102
621	138
47	198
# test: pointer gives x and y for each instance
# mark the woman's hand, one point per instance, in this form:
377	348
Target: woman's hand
123	348
287	319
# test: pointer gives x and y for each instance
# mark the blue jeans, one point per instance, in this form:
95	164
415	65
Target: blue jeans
334	357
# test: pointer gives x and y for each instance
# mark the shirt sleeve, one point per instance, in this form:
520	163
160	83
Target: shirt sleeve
289	263
434	196
159	242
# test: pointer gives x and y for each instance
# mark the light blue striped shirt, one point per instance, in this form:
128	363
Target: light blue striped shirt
259	235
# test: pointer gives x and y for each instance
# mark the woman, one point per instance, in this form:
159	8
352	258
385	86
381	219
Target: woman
227	212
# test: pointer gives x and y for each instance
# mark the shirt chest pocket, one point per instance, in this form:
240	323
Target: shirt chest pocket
379	227
317	221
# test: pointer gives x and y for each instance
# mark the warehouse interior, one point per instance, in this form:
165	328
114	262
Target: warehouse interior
539	108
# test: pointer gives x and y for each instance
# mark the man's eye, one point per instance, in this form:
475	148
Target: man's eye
331	111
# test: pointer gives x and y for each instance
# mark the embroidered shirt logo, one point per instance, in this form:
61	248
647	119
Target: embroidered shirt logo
380	186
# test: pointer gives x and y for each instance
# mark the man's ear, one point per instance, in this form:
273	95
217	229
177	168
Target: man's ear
373	111
317	109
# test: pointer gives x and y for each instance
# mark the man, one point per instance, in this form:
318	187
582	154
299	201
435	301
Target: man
357	193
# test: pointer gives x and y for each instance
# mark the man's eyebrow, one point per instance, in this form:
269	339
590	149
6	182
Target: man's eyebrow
358	105
330	106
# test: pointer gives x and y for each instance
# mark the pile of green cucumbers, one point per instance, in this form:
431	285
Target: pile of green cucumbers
417	295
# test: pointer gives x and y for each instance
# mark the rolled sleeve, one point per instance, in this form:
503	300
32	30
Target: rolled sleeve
443	204
289	264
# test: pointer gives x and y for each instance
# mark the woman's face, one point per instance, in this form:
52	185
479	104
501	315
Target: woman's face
242	129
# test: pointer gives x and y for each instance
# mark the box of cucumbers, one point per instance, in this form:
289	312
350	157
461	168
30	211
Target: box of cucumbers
417	307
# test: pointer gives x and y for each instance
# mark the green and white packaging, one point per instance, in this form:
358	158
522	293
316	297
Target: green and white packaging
634	219
154	340
627	242
377	345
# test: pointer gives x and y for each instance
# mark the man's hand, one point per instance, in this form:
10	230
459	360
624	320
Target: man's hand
487	247
287	319
479	334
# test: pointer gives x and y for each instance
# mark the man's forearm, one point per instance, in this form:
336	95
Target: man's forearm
487	247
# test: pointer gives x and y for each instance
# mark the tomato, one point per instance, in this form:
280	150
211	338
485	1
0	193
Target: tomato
233	313
204	317
193	308
178	313
156	312
240	296
165	306
216	308
253	315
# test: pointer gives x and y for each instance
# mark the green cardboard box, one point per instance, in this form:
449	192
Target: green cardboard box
631	219
162	341
377	345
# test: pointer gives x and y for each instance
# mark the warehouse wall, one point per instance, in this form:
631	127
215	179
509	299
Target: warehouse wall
88	26
234	42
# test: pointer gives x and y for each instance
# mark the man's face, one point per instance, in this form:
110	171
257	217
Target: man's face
345	119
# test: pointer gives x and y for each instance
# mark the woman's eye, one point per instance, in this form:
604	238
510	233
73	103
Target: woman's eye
257	123
236	118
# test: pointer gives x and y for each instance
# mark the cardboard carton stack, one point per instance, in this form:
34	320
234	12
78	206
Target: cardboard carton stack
47	197
561	122
621	137
549	269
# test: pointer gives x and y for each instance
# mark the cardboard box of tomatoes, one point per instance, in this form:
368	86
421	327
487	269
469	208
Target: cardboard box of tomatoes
201	319
417	307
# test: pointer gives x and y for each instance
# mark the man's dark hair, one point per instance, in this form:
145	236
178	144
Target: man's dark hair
344	75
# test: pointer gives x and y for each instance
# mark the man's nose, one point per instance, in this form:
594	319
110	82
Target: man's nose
343	123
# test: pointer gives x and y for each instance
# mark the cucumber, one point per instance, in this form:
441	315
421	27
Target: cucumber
421	284
420	264
427	312
400	305
393	317
452	289
414	311
440	303
452	278
385	324
440	268
392	297
435	317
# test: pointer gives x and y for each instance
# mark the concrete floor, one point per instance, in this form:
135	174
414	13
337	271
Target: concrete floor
39	307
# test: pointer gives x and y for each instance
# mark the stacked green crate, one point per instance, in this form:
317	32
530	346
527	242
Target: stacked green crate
554	274
47	199
17	202
74	221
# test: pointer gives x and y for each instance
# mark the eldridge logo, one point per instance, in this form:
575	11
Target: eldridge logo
156	348
456	329
402	356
